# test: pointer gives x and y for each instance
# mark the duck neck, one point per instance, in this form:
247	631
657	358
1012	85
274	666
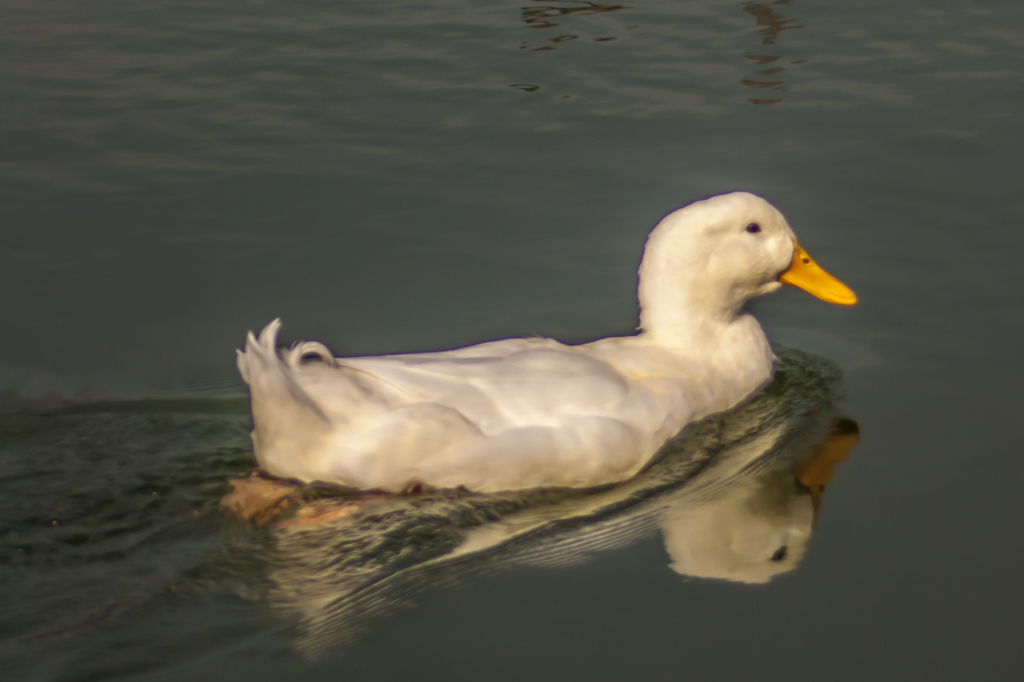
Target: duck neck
680	308
725	345
674	322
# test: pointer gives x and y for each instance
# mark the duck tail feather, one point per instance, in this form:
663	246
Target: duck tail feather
305	352
287	420
268	337
242	358
271	371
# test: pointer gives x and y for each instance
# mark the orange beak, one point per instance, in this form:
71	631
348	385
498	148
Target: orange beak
804	273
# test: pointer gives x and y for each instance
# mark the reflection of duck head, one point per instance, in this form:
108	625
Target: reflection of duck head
749	537
757	526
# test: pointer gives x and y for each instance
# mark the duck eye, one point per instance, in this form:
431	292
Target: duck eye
753	227
780	553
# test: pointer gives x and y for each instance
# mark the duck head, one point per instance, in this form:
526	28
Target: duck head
707	259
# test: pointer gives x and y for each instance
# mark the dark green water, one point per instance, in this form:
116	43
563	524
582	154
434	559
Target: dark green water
404	176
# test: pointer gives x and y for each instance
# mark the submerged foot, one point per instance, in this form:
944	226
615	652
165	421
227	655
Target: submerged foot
264	501
259	499
322	511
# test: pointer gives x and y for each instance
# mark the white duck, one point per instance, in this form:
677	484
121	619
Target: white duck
524	413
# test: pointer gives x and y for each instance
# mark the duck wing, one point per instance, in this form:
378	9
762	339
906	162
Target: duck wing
504	415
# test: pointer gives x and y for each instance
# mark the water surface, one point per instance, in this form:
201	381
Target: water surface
405	176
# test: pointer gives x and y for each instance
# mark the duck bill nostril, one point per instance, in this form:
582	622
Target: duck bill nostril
804	273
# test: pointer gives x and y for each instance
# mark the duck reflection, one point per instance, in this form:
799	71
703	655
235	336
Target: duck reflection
735	497
749	527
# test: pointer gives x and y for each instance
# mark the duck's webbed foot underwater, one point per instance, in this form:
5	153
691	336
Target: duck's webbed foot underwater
259	499
264	500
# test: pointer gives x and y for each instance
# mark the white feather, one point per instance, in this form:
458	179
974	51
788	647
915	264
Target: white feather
523	413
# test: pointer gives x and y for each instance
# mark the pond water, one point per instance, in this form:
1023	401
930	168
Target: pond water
414	175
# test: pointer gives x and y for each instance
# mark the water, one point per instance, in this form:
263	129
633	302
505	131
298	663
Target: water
409	176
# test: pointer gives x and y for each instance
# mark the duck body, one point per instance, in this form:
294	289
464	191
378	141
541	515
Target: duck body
533	412
505	415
